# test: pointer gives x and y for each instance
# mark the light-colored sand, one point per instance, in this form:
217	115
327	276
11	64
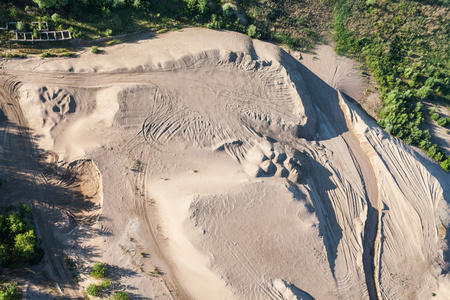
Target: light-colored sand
239	172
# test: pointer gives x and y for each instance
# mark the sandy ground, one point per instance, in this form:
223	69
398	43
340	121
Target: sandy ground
236	170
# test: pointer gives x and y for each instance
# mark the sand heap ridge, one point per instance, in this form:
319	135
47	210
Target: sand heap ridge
240	171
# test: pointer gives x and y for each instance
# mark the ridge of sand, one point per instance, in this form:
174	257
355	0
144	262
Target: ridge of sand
239	171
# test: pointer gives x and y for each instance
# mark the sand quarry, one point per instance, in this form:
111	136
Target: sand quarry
237	170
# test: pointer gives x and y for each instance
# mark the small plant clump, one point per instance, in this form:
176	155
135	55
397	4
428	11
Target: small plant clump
120	295
96	289
20	26
98	270
95	50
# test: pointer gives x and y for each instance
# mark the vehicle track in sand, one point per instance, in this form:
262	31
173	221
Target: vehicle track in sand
26	159
153	130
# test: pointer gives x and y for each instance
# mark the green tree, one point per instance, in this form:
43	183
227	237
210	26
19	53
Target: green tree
45	3
25	244
251	31
3	256
227	10
55	17
16	225
20	26
424	92
51	3
445	165
11	292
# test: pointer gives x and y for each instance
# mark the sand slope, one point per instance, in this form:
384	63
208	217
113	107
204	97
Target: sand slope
240	171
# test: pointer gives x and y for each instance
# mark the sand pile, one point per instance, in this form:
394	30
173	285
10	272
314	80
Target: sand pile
239	171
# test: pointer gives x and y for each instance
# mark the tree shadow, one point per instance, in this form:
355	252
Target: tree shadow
54	203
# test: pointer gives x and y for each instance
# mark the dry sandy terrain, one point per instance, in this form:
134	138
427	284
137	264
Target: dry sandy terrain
236	170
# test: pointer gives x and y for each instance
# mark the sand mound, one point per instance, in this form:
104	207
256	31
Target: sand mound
238	170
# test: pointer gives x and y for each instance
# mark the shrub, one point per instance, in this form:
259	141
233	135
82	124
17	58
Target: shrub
55	17
432	110
95	50
201	6
20	26
442	121
424	92
108	32
11	292
98	270
445	165
106	284
46	54
435	116
227	10
251	31
120	296
93	290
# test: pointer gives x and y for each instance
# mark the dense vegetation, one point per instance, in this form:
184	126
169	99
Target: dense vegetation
405	45
18	242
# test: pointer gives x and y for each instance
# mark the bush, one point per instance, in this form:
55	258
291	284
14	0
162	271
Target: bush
98	270
95	50
11	292
251	31
93	290
424	92
445	165
20	26
108	32
432	110
227	11
55	17
120	296
435	116
442	121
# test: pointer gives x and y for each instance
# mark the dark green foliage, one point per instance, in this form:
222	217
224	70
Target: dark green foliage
18	242
98	270
228	10
51	3
409	62
10	292
95	49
